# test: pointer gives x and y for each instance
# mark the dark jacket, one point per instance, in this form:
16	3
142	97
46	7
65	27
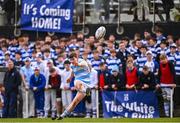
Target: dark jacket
12	80
148	79
19	63
118	81
123	57
106	74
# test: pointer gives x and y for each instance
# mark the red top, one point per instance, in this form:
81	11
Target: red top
166	75
131	77
101	80
55	81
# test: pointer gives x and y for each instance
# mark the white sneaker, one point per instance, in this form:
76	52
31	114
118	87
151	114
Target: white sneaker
46	115
40	117
87	116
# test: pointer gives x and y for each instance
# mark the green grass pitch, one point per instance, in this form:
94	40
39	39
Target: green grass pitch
90	120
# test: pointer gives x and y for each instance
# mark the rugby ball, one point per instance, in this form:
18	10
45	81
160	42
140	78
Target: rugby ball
100	32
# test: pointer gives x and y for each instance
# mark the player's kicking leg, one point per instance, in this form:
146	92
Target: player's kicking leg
79	96
82	92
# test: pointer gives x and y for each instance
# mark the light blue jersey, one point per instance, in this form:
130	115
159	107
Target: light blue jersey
27	72
82	73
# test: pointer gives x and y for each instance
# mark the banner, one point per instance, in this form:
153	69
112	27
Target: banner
130	104
47	15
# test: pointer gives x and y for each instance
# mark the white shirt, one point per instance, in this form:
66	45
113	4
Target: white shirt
150	65
65	75
93	77
41	65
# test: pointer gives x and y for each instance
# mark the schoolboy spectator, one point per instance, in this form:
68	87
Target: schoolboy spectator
103	76
172	54
110	46
113	61
80	43
138	44
131	75
27	94
3	50
49	66
152	45
60	62
53	85
88	49
73	43
126	41
147	35
162	49
116	79
95	62
6	58
57	52
13	47
33	58
167	78
141	59
151	63
21	43
47	55
122	55
18	62
40	63
147	79
159	35
26	51
177	70
66	90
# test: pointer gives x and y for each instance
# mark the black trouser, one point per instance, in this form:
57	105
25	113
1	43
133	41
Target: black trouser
160	102
10	105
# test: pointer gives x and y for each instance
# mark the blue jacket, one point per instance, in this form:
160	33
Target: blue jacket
40	83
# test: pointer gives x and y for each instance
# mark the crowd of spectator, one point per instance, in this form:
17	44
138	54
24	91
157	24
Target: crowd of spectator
41	70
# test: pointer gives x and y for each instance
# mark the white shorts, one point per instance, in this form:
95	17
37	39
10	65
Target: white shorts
83	83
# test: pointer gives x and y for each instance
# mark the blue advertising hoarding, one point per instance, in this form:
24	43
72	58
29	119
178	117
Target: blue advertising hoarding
130	104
